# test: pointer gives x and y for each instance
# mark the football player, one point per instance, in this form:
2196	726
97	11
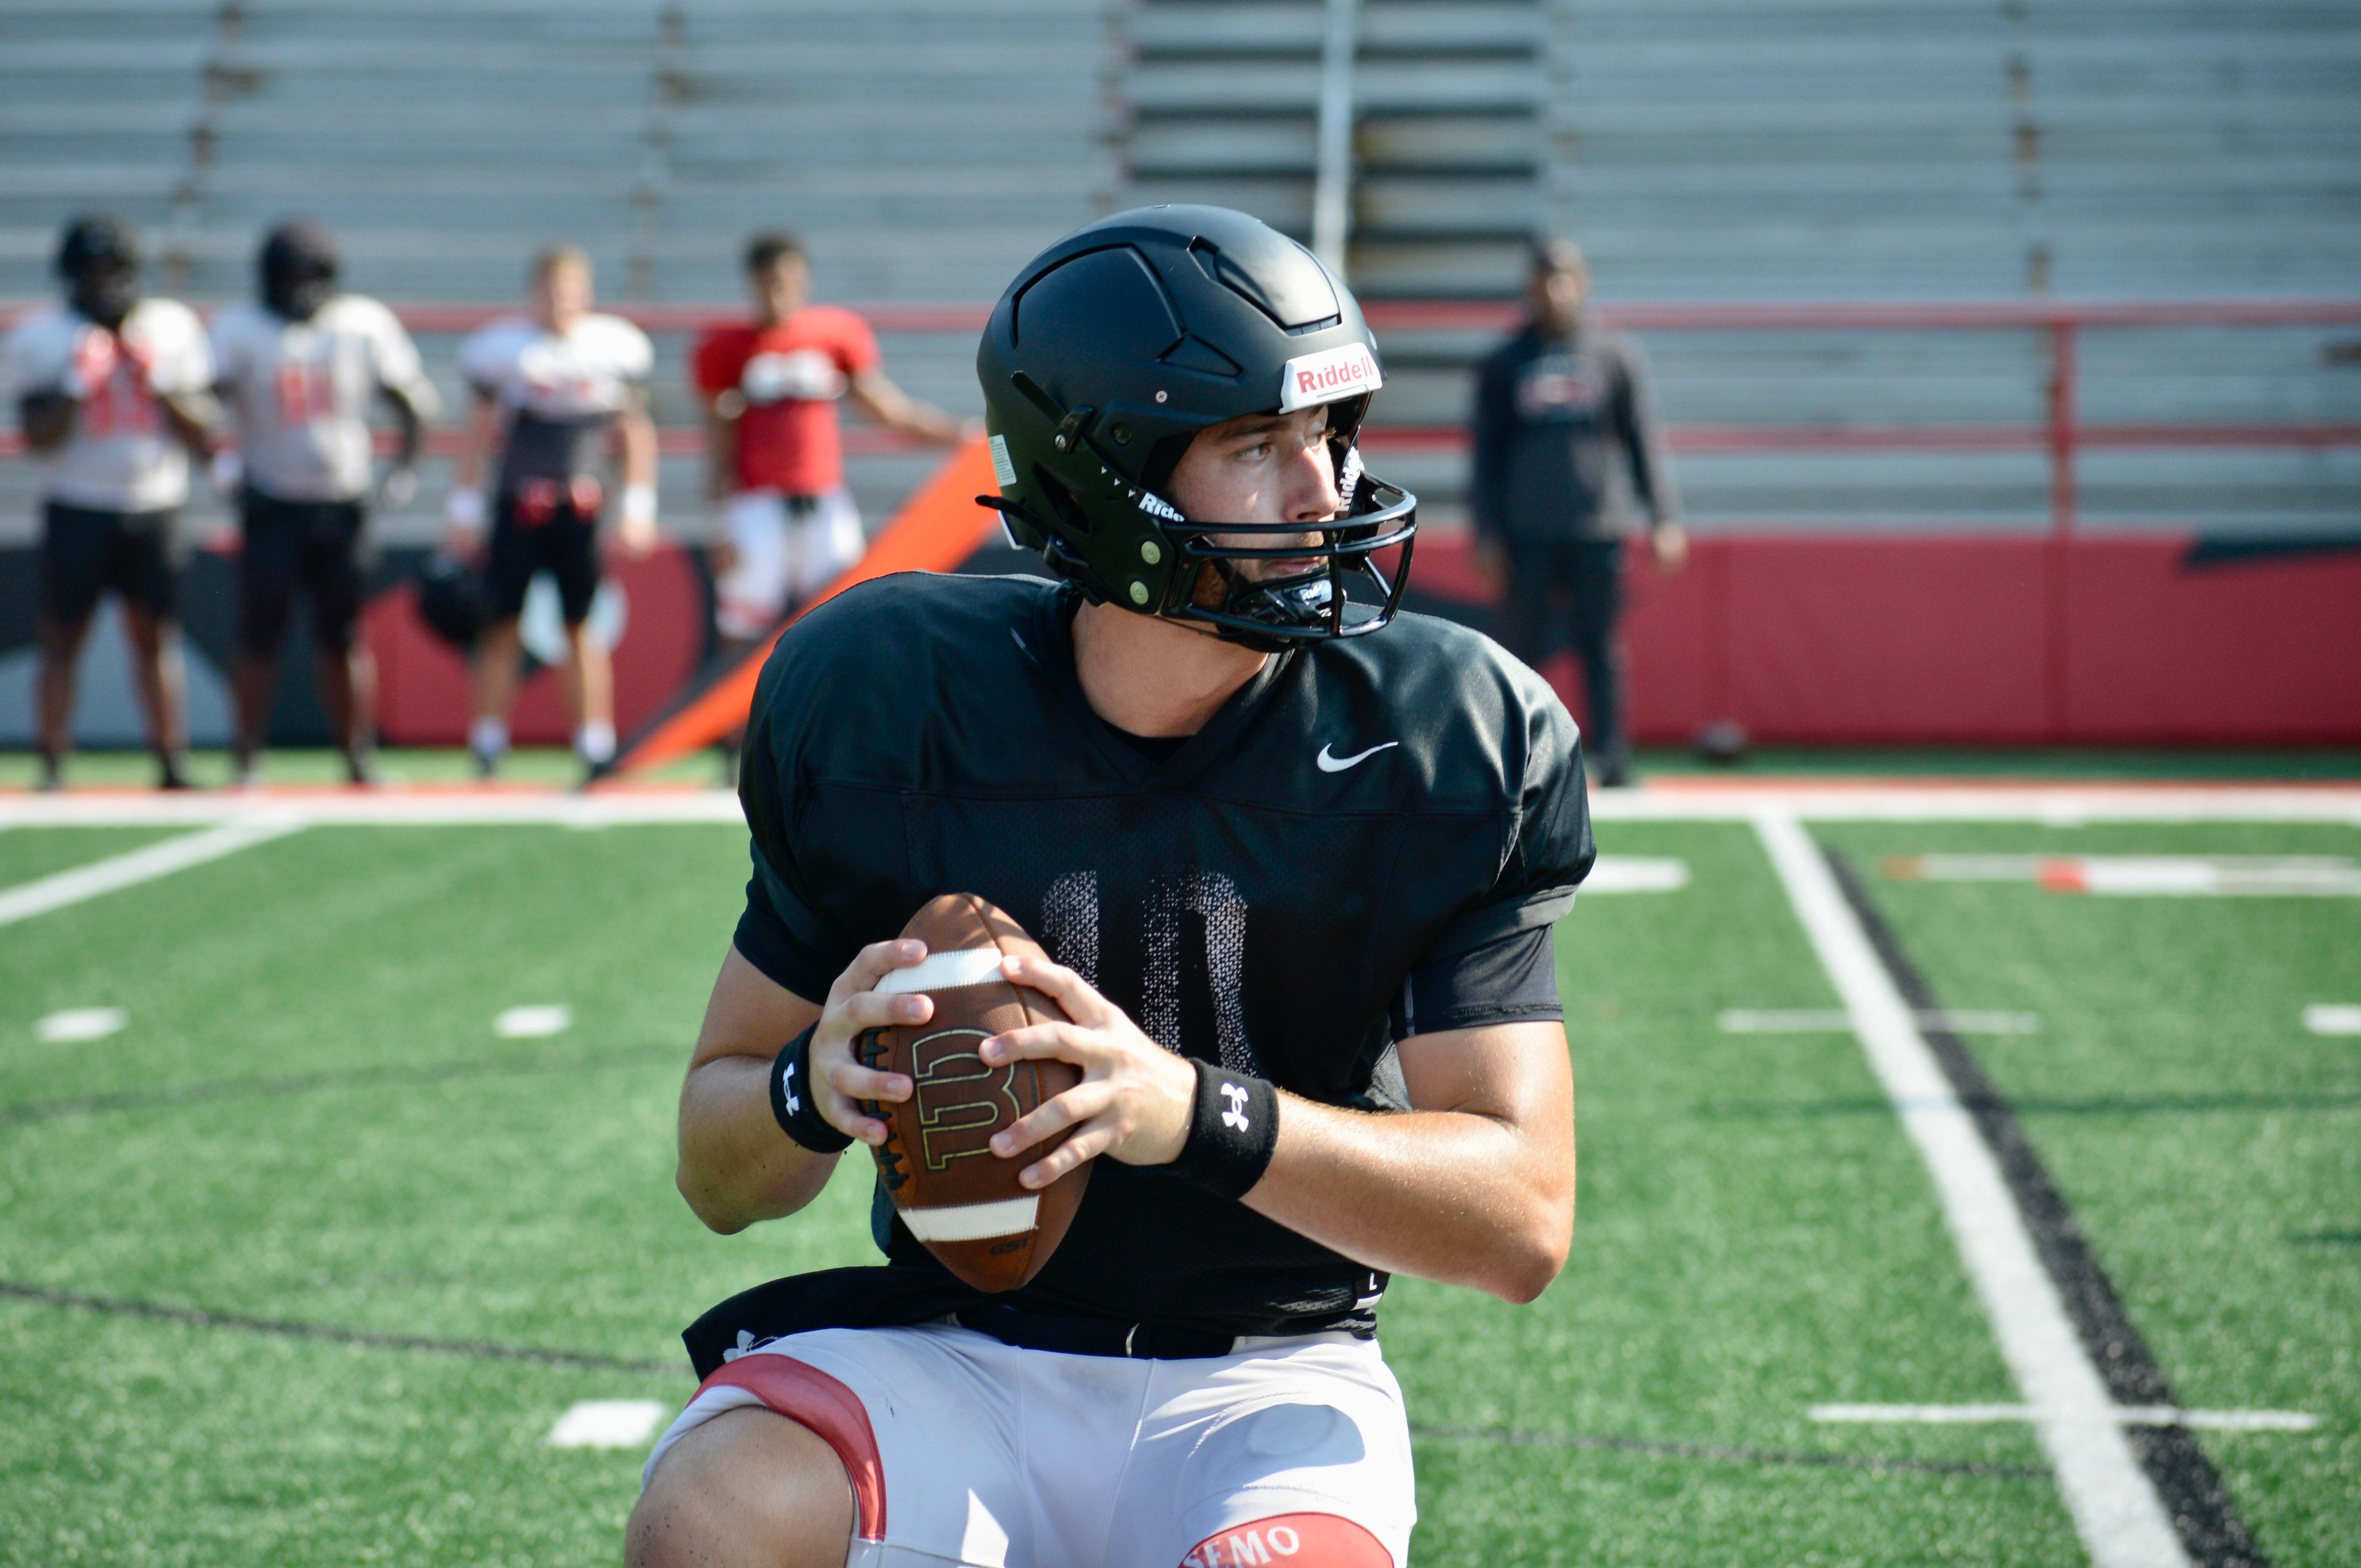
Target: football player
1295	860
112	392
1567	452
554	392
774	459
299	372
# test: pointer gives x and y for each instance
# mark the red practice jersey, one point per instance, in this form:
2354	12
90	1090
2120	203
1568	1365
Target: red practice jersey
791	376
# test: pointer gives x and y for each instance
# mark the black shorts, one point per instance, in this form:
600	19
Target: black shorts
86	550
566	545
311	545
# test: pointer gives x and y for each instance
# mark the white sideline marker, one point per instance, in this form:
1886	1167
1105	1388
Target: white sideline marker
607	1423
2146	876
43	894
1636	874
533	1022
2332	1018
1832	1020
2121	1415
2122	1522
81	1024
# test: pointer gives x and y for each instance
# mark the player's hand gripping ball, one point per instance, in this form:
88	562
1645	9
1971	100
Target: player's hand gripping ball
956	1196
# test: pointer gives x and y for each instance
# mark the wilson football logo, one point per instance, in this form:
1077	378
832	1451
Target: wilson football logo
960	1098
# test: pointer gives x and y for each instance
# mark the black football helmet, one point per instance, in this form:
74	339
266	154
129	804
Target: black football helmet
1105	357
98	260
452	601
297	269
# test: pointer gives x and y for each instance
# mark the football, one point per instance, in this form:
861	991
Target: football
956	1196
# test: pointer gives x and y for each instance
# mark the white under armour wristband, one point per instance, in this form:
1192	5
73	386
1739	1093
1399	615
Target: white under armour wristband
1233	1132
464	508
640	506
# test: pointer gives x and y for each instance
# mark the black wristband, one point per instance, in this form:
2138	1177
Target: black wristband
1232	1132
793	1102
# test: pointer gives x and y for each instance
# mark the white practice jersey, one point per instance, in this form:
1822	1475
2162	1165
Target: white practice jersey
122	456
558	394
299	393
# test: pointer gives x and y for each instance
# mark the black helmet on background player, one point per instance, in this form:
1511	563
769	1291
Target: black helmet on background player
451	601
298	267
98	259
1112	350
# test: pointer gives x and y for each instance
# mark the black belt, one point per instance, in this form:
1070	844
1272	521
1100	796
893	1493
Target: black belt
1090	1336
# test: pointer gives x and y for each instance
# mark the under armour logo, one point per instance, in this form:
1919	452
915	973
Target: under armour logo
1236	1116
788	1084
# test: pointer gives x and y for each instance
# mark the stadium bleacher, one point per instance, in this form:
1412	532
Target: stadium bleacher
1701	150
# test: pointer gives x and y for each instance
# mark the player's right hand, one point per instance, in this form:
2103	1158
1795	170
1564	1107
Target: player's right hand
855	1007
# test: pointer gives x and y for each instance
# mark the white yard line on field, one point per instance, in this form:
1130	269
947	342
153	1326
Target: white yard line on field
2121	1415
74	1025
43	894
1636	874
1835	1020
607	1423
2114	1506
531	1022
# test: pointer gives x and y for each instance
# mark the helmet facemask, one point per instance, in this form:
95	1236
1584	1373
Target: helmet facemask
1271	612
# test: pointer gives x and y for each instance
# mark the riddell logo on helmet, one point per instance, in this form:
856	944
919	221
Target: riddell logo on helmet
1344	372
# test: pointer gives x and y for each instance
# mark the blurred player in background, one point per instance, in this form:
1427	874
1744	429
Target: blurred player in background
112	392
1565	446
299	372
774	454
554	393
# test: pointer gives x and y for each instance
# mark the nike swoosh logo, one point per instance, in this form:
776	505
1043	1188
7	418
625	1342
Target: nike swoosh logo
1330	763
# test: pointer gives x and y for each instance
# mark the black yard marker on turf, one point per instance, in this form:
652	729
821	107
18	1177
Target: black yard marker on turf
2185	1480
198	1317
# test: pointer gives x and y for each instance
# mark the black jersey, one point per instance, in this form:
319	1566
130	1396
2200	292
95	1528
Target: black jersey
1360	812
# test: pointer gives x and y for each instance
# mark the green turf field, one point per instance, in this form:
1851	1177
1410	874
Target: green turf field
308	1123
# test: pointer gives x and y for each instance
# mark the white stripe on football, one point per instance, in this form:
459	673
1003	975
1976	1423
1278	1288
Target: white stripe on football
944	971
973	1222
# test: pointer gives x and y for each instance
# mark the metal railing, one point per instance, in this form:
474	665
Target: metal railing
2061	433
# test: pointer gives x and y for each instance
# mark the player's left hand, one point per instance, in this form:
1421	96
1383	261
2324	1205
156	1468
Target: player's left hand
637	536
1136	1097
1669	543
636	525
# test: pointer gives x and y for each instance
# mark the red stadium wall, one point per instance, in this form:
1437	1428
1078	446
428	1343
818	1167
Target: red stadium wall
1816	640
1981	641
